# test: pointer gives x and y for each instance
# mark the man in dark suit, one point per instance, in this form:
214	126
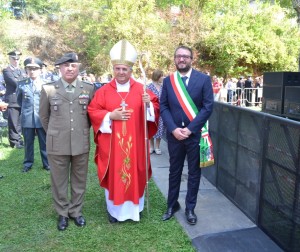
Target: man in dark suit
248	91
63	113
12	74
184	124
28	97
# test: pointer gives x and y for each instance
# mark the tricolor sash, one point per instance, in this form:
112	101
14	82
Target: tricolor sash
190	109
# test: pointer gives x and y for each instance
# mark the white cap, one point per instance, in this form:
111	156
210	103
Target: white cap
123	53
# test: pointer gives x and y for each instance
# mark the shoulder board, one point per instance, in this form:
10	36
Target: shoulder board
49	83
24	81
85	82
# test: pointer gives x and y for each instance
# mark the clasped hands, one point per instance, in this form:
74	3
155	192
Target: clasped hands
181	134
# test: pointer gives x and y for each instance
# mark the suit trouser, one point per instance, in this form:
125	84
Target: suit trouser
63	167
29	136
178	150
14	125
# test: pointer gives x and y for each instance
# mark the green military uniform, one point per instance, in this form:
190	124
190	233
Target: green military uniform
63	113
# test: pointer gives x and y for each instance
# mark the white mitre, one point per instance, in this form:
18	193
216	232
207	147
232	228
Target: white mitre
123	53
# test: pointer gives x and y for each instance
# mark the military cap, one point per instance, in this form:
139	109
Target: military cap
33	62
68	57
15	54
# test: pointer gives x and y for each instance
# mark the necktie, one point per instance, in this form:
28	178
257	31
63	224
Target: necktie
70	88
184	78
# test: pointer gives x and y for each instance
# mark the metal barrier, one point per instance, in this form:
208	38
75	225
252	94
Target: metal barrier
258	168
242	97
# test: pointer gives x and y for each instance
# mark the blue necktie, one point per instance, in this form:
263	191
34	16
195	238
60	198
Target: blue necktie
184	78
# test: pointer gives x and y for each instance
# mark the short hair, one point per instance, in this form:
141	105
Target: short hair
157	74
184	47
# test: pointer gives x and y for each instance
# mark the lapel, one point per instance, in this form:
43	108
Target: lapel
192	82
69	96
29	85
78	89
60	89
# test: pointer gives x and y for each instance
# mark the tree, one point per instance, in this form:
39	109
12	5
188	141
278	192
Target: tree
243	39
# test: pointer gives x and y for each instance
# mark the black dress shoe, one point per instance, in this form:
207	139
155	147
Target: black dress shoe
47	168
26	169
111	219
62	223
19	146
79	221
191	217
170	211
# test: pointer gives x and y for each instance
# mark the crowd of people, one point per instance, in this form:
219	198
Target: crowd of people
241	91
60	108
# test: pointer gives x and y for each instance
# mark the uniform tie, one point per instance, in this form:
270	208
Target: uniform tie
70	88
184	78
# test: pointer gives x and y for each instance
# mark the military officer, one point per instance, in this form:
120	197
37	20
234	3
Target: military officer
63	113
12	74
28	97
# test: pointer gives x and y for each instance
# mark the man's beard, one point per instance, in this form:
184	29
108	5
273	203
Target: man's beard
184	69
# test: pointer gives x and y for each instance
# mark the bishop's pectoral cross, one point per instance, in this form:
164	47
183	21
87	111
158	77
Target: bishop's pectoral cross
123	105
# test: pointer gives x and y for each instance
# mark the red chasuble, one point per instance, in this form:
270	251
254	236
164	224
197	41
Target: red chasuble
120	156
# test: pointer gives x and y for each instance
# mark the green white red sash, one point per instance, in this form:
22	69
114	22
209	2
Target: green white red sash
190	109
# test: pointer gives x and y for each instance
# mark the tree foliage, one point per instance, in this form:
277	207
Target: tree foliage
229	37
249	39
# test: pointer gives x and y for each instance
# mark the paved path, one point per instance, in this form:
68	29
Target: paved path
221	225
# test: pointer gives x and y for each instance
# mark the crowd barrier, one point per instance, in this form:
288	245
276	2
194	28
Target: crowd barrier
257	166
242	97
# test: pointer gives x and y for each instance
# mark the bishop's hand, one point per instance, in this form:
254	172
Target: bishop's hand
120	114
146	99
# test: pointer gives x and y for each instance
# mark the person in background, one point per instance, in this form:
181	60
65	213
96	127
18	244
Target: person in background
46	75
156	87
28	97
184	93
3	107
63	113
216	84
248	91
229	87
2	88
12	74
239	88
257	85
117	114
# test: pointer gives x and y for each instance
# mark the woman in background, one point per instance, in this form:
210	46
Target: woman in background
156	87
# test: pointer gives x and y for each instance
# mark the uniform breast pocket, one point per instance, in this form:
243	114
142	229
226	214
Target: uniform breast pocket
84	103
56	106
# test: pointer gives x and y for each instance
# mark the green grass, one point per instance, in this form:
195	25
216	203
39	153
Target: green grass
28	220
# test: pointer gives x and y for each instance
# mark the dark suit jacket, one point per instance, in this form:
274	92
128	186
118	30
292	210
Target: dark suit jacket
201	92
11	78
